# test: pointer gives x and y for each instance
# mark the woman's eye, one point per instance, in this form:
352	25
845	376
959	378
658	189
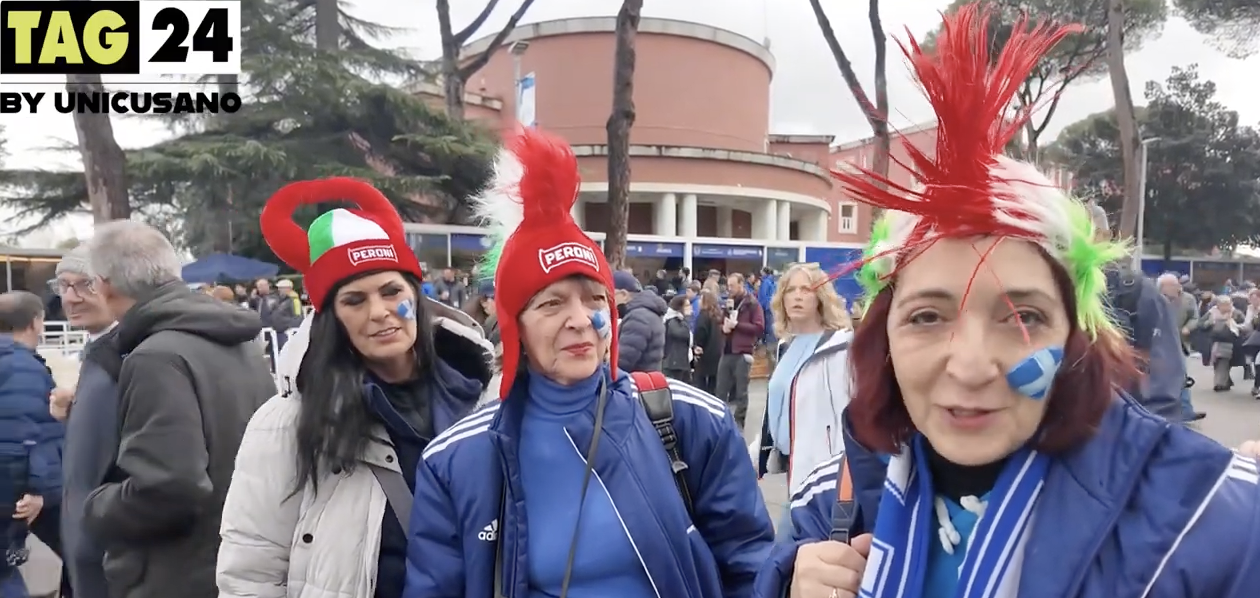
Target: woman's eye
924	318
390	292
1027	317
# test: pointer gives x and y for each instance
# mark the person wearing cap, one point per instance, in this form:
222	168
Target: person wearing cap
641	344
986	374
320	497
89	412
564	487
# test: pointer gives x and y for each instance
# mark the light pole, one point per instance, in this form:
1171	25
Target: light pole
517	49
1140	238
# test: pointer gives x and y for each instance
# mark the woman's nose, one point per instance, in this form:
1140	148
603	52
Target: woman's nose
971	360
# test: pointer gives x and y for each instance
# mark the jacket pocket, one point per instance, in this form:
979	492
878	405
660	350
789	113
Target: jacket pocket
124	570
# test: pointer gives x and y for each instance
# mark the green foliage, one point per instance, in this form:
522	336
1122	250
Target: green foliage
307	114
1232	25
1203	168
1079	57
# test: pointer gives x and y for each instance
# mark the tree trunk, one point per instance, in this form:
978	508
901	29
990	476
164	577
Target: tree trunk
879	118
104	163
619	123
327	25
1126	119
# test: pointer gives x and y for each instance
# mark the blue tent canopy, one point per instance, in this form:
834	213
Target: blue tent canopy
222	266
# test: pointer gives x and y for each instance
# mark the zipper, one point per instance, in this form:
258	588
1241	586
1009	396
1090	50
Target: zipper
616	512
830	451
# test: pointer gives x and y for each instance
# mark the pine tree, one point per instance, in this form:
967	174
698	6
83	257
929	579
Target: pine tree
308	113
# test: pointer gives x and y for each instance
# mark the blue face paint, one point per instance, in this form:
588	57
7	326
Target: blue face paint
406	309
1032	376
601	321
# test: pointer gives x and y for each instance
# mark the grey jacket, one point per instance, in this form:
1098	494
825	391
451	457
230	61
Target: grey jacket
180	424
87	457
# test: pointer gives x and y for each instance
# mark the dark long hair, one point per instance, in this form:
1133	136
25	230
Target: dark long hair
334	424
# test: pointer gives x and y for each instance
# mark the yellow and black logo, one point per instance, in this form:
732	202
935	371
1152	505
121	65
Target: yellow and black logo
112	37
79	38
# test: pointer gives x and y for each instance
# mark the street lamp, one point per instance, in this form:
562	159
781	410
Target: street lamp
1140	252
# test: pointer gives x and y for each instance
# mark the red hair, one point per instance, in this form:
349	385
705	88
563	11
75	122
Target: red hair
1091	374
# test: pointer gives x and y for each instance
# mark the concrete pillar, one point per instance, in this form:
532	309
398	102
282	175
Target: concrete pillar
579	213
818	227
725	227
763	221
665	216
784	221
687	216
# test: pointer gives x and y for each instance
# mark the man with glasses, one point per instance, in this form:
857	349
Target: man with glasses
91	425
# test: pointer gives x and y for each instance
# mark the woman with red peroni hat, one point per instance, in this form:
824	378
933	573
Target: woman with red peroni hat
582	480
987	373
322	488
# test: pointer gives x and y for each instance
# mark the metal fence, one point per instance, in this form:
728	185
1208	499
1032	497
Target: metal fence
63	339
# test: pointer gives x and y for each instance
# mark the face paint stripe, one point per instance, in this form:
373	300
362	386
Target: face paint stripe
1033	375
406	309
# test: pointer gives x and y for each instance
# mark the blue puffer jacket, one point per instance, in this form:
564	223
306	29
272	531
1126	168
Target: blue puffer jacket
30	439
1145	509
641	334
460	488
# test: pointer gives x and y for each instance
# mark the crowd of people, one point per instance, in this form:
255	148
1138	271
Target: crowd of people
1001	419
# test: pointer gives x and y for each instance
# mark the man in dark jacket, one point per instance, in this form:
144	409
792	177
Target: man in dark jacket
641	335
743	325
191	377
30	439
91	421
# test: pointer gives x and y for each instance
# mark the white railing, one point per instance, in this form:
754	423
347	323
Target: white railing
64	339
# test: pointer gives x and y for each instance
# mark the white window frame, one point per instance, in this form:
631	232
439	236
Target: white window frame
846	224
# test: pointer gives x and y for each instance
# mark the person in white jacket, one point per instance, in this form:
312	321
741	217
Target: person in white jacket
809	388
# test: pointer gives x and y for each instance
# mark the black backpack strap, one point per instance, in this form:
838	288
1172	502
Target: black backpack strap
654	395
844	513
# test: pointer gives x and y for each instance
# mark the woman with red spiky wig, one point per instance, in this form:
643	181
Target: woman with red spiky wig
988	449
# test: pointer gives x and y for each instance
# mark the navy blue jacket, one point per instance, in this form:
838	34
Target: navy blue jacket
1145	508
30	439
471	467
1150	322
641	333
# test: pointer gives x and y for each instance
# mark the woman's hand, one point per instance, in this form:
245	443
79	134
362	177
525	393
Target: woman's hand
1251	448
830	569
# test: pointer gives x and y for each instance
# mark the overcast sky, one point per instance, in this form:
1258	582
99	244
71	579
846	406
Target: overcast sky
808	96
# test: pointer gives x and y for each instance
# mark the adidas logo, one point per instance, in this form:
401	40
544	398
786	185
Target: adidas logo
489	533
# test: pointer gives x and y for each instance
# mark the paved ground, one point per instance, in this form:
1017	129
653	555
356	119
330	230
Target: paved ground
1233	417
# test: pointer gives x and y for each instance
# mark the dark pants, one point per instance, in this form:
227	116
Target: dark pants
679	375
732	385
707	383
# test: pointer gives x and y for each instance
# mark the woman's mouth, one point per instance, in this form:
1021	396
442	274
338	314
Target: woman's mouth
579	348
969	418
387	334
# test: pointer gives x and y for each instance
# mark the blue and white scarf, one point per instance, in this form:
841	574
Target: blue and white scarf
897	565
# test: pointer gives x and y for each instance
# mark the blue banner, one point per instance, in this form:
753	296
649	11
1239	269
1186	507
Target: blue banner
1157	266
644	249
834	260
467	242
730	252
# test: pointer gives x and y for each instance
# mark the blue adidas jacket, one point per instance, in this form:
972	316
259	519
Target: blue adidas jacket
30	439
1146	509
455	525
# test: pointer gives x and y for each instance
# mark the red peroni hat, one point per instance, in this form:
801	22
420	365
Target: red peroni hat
547	246
340	243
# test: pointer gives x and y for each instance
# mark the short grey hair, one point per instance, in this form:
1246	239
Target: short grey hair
1168	277
133	257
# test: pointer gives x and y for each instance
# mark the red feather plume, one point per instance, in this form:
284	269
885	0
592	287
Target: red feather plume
549	174
971	93
289	242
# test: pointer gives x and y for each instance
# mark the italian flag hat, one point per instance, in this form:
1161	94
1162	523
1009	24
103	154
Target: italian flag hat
340	243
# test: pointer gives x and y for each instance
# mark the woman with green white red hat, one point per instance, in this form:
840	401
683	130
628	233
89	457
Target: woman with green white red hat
582	480
322	489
